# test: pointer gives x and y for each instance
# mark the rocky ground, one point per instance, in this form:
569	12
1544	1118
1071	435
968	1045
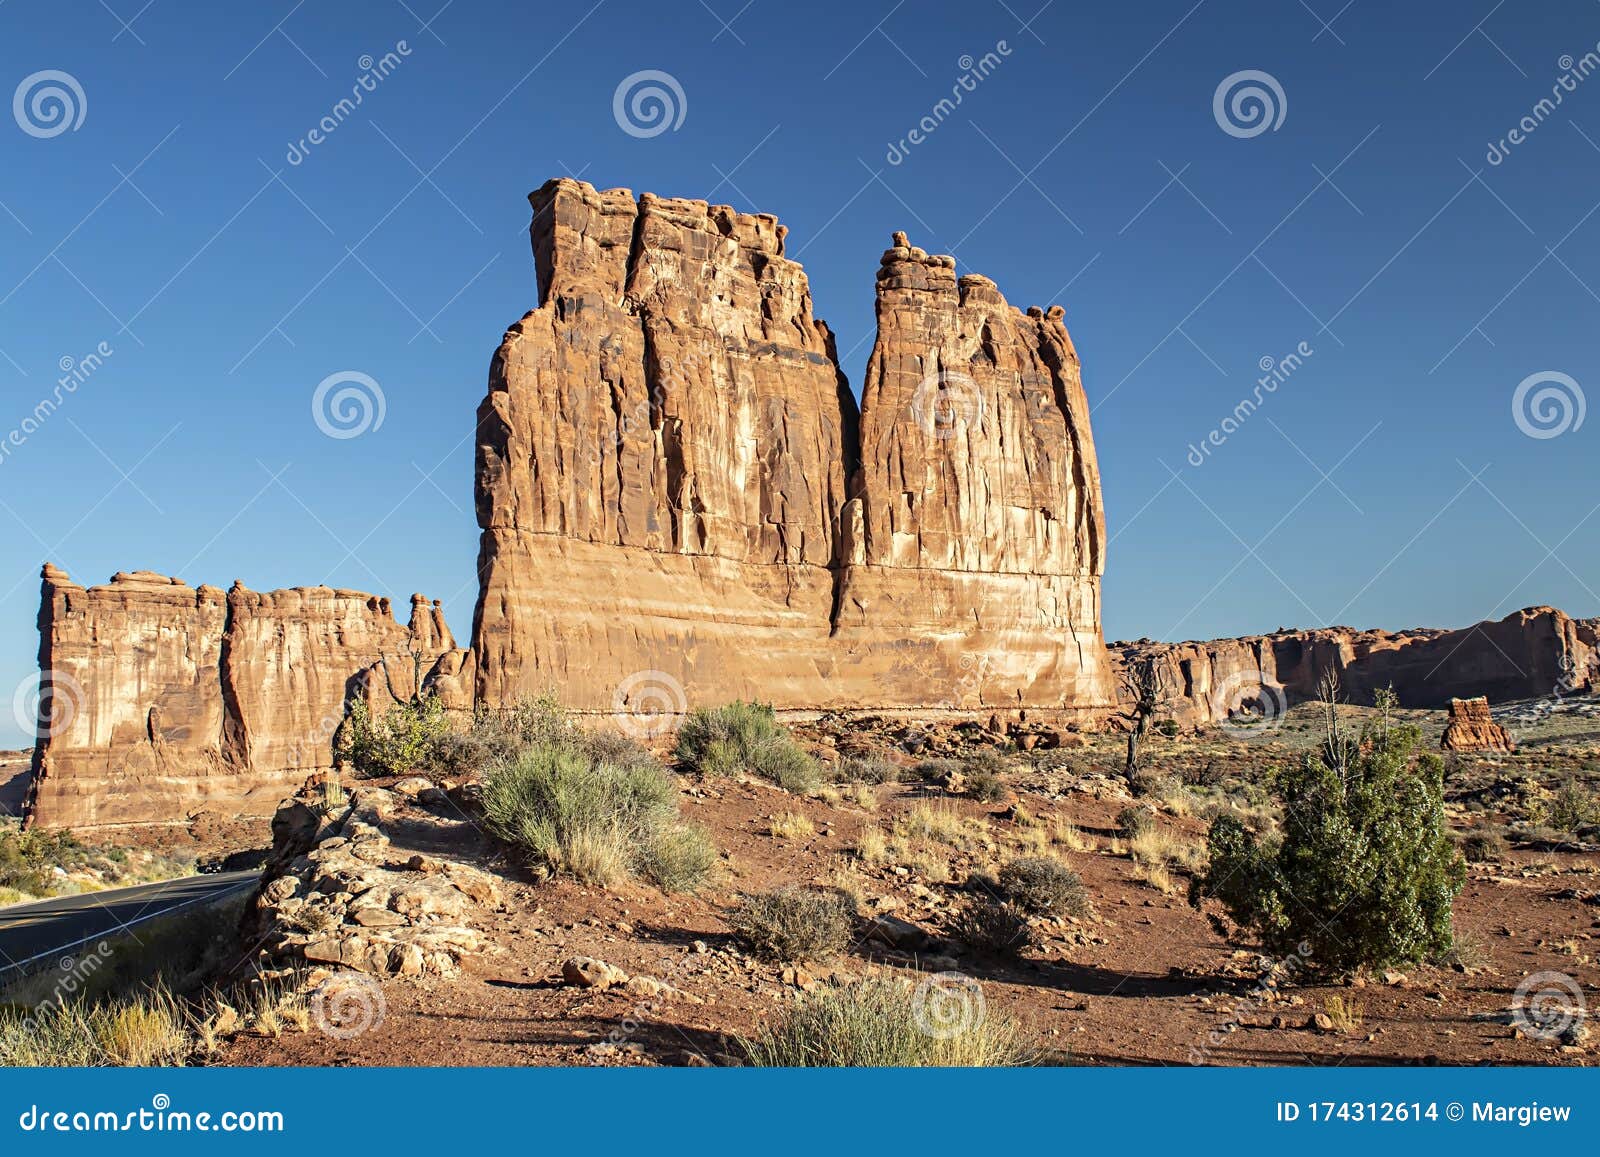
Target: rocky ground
558	973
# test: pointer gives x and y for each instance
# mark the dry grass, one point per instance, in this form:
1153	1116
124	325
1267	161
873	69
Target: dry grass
791	826
872	846
1158	847
863	795
941	823
1157	876
1068	836
886	1023
1346	1016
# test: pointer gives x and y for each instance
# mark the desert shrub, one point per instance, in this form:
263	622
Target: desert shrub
1044	886
596	817
881	1023
405	739
496	734
1167	728
1573	807
1364	873
745	737
1483	845
937	770
28	859
870	769
990	925
679	859
985	785
1133	822
795	923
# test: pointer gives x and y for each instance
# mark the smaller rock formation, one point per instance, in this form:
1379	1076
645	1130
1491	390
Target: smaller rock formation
161	701
337	892
1472	728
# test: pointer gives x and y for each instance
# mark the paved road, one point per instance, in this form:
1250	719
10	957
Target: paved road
31	932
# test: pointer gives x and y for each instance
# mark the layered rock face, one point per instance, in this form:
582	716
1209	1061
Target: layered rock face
161	700
1534	652
679	498
975	539
1472	728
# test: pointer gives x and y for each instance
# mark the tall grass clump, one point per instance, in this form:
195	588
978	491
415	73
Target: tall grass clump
746	738
886	1023
145	1030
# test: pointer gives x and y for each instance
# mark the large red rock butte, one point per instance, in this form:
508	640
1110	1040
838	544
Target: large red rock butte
678	495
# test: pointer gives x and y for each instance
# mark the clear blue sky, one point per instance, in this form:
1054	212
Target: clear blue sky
1088	168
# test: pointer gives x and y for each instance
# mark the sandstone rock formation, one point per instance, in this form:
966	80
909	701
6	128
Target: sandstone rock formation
1472	728
16	771
162	700
679	499
1534	652
338	892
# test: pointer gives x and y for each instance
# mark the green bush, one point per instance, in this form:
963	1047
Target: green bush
1044	886
28	859
746	738
597	814
1572	808
884	1023
406	739
795	923
1167	728
1364	873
